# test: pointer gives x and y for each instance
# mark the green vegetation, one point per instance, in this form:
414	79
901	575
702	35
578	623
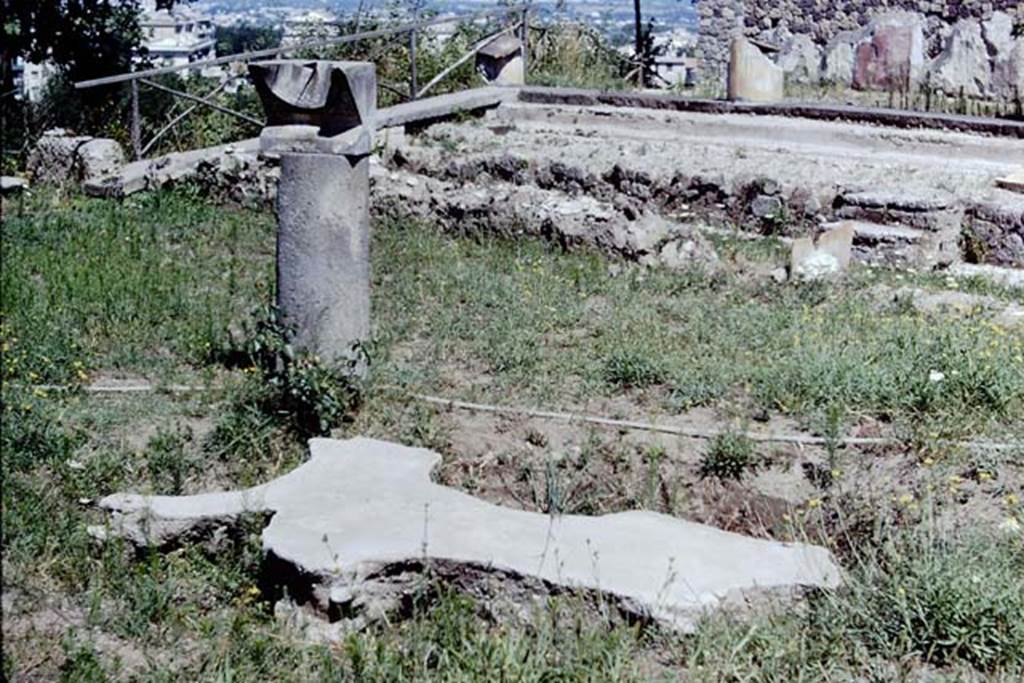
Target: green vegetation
164	286
729	456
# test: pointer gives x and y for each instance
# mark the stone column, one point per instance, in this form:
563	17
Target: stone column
320	118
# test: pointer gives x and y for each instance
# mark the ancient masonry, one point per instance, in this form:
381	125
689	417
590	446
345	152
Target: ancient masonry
974	49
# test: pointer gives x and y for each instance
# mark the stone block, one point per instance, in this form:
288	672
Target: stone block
963	66
1008	72
921	229
997	230
839	60
800	59
1013	182
10	186
54	158
752	76
99	157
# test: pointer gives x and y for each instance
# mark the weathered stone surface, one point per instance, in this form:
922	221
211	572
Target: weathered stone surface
1013	181
825	22
360	513
500	62
752	76
766	206
996	232
998	33
963	67
910	227
98	158
441	107
1008	71
323	252
839	62
893	245
232	171
893	57
513	210
330	95
955	303
54	159
800	60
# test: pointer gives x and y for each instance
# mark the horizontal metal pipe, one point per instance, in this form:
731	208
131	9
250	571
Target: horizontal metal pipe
275	51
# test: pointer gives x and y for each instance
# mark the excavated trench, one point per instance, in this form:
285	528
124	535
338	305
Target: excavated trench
921	198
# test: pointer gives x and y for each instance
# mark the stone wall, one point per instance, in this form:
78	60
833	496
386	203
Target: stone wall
959	47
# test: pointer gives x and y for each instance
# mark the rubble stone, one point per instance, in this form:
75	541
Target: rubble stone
99	157
800	60
54	160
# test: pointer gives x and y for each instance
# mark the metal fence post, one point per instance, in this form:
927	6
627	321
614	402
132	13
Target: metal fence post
136	123
526	40
413	85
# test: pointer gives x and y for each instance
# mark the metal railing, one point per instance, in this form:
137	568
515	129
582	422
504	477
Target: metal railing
144	77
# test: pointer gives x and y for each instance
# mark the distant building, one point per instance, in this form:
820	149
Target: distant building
176	37
312	25
30	79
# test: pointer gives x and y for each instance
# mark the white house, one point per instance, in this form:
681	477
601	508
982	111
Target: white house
178	36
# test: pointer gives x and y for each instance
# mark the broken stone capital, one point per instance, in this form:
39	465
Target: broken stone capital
317	107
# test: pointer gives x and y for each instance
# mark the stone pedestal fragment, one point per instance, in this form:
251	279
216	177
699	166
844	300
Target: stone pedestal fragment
824	258
501	61
320	117
752	76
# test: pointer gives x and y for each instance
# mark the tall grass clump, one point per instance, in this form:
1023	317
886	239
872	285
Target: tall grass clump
920	598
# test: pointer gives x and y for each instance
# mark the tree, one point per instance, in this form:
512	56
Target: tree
245	37
84	39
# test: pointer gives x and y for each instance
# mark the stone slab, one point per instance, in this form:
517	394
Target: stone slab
361	508
896	118
440	107
1013	182
10	185
1012	278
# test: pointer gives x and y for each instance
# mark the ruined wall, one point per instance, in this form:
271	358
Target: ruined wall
961	46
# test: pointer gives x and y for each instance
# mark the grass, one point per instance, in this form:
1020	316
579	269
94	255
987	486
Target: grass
159	285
